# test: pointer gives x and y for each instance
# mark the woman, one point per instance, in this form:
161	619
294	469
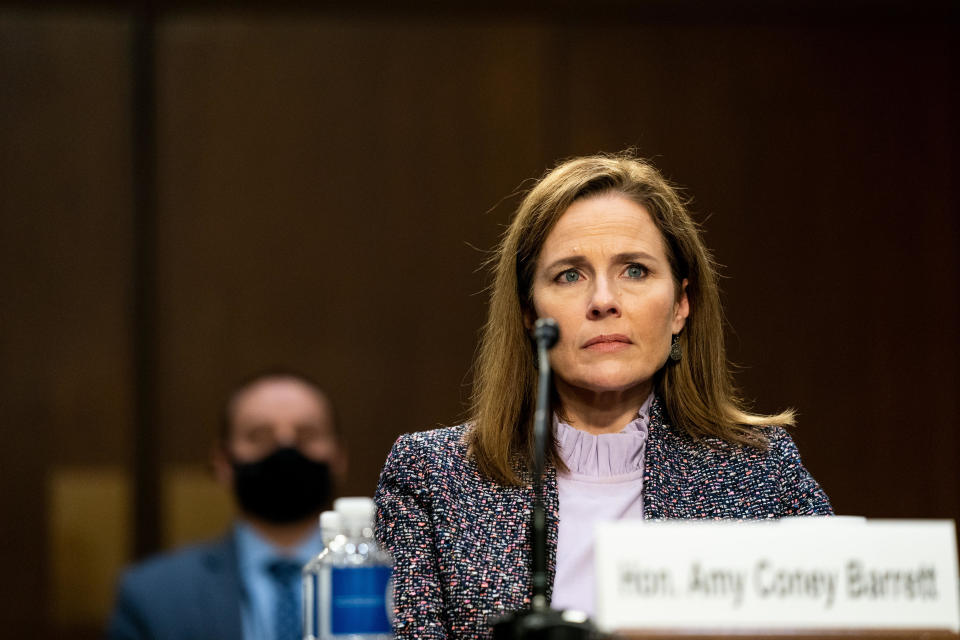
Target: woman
647	424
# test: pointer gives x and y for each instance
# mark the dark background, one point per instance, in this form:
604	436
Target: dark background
204	189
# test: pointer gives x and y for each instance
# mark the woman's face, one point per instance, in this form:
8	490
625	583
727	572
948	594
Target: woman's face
603	275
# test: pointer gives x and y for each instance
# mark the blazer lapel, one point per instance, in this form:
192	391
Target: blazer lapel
551	500
662	468
221	595
516	503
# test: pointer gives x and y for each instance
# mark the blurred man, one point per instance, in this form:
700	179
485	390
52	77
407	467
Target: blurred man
279	453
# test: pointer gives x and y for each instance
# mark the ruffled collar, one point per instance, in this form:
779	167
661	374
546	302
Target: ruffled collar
607	454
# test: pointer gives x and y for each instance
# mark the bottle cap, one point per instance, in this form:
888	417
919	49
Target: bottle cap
355	512
330	525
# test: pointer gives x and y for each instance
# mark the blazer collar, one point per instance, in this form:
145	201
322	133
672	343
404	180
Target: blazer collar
222	594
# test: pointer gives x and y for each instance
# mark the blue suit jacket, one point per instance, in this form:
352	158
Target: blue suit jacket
461	541
189	594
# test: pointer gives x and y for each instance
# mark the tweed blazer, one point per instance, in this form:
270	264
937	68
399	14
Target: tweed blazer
461	541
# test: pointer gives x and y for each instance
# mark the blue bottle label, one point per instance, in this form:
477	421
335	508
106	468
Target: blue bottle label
359	600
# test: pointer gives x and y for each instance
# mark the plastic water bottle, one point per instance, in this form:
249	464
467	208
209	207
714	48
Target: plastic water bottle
332	536
352	580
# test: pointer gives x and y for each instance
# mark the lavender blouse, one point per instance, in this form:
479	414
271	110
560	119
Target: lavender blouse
605	482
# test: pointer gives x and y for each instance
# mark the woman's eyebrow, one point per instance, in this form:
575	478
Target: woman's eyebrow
567	261
579	260
633	256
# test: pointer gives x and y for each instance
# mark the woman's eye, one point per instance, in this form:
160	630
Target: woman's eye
569	276
636	271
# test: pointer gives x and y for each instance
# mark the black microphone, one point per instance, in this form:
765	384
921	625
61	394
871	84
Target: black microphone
540	622
546	332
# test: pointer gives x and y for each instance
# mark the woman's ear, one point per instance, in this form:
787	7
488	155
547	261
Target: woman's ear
682	308
529	318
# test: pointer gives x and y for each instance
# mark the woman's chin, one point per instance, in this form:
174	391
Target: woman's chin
613	382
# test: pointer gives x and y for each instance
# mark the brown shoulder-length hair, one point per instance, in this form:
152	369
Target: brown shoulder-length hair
697	391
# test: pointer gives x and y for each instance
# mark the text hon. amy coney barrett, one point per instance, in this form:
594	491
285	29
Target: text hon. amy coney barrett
853	580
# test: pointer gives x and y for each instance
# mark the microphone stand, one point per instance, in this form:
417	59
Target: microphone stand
540	622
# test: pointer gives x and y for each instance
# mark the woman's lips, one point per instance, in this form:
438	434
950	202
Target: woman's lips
608	343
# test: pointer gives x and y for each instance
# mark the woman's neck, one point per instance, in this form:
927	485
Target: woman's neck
601	412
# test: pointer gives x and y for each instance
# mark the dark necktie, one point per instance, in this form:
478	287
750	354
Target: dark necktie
286	621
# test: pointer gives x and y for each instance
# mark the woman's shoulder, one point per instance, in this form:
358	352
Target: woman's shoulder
779	445
443	439
443	448
435	465
772	441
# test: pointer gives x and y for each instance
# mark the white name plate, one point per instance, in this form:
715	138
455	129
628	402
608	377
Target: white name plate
799	573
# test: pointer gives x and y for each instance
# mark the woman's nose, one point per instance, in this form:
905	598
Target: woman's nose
605	301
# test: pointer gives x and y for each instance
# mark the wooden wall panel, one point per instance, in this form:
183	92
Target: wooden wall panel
822	161
321	184
64	243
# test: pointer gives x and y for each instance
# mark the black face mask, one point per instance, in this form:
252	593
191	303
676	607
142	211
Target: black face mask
283	487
